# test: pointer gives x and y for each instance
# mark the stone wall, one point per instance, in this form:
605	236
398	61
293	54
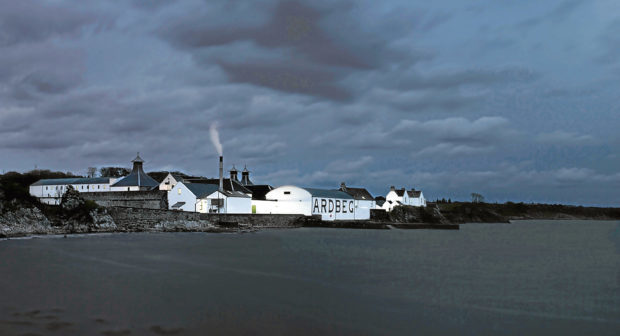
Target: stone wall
155	199
137	219
255	220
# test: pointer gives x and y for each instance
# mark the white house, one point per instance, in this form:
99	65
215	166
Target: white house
330	204
416	198
50	191
206	198
137	180
403	197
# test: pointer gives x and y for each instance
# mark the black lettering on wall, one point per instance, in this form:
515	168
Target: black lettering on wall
323	206
351	206
344	206
331	206
337	205
315	209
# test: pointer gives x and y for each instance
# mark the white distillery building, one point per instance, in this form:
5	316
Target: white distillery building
329	204
137	180
207	198
50	191
364	201
403	197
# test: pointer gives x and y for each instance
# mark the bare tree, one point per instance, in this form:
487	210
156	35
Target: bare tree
92	171
477	198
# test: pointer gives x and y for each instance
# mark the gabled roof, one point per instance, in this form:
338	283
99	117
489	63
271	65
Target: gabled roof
201	190
400	192
328	193
228	185
78	180
259	190
380	202
359	193
414	193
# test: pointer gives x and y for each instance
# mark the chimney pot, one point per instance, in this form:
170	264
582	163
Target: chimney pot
392	188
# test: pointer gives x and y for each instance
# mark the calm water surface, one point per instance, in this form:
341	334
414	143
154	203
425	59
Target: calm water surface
529	277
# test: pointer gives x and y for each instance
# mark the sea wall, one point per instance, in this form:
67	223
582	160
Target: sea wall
155	199
138	219
256	220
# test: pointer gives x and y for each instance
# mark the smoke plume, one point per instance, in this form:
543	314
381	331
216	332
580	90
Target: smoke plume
215	139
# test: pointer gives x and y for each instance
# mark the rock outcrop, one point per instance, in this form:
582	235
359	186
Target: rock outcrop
24	221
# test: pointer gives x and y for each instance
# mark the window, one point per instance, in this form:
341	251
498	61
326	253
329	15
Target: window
45	188
98	187
179	191
287	193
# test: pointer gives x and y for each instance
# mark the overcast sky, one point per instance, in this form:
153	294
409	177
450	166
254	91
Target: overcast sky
515	100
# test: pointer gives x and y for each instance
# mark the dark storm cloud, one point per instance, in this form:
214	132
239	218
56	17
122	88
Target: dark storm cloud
32	21
305	49
292	25
411	93
29	70
288	78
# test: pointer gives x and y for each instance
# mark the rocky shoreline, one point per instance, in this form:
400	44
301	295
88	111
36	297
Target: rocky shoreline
78	216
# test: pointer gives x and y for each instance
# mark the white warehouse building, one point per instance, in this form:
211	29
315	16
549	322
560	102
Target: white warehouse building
50	191
207	198
329	204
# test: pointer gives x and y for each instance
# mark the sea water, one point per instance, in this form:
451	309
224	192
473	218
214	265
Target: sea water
523	278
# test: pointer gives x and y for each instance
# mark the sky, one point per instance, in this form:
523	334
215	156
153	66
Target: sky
514	100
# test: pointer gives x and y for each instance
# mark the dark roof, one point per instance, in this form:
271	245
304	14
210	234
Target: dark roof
202	190
79	180
328	193
414	193
358	193
178	205
259	190
380	202
400	192
137	177
228	185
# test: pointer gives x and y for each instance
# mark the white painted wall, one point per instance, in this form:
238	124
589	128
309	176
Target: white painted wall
362	209
168	183
334	208
180	193
294	200
238	205
265	207
52	194
290	200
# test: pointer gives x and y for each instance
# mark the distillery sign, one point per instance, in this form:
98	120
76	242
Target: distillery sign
330	205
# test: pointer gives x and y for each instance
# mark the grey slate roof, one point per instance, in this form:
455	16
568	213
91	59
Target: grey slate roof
414	193
400	192
359	193
227	183
139	178
77	180
202	190
328	193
